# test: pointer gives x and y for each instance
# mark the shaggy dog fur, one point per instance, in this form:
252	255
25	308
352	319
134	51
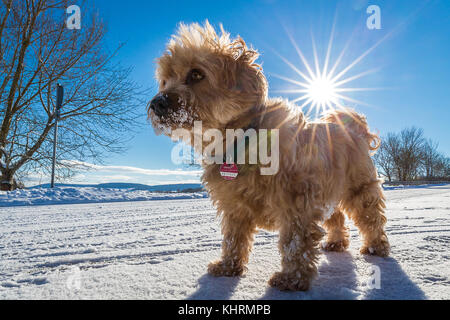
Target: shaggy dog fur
325	166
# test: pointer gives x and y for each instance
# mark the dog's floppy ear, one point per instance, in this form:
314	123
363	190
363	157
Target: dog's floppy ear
242	72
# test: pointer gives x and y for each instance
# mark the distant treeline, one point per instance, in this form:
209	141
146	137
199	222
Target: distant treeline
409	156
187	190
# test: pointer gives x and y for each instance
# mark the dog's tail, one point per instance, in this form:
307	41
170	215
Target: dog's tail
355	122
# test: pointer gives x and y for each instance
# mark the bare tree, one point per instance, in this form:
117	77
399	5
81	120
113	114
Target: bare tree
388	157
37	52
441	168
447	168
408	156
431	159
384	160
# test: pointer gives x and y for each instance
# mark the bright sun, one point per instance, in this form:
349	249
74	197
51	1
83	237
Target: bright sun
323	88
322	91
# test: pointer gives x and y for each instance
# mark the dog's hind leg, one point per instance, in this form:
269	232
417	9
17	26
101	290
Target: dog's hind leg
337	232
299	248
365	206
238	233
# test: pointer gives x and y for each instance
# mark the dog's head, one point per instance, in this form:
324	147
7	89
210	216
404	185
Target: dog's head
205	76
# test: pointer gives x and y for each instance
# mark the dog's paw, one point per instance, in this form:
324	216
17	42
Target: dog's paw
225	269
379	248
337	246
289	282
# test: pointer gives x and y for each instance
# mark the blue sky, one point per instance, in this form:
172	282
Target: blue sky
413	62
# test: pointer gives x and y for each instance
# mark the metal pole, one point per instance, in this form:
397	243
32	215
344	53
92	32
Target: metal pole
59	99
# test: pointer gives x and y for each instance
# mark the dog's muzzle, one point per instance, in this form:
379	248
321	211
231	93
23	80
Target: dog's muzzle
160	104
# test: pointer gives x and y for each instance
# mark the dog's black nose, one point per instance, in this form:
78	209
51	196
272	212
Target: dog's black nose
160	104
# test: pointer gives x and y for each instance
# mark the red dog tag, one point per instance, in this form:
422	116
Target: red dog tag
229	171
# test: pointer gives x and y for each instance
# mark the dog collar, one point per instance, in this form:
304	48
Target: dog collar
243	145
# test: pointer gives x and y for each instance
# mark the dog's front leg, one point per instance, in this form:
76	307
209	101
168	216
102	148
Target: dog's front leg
298	245
238	231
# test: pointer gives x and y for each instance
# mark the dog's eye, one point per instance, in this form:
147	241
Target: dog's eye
194	76
163	83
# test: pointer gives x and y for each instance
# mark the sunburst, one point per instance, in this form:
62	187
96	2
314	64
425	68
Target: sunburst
321	91
322	88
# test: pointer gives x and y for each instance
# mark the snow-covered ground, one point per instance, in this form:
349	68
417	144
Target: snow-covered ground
159	250
72	195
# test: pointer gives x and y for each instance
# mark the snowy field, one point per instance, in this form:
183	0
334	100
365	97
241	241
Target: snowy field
72	195
160	249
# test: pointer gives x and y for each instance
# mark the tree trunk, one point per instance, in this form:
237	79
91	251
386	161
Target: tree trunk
7	180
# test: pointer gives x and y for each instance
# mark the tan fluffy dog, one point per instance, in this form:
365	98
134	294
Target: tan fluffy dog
323	165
